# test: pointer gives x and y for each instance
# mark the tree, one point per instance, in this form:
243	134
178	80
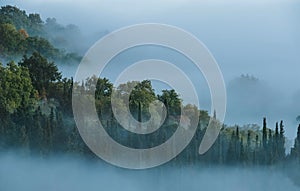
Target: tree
264	133
42	72
295	152
276	143
43	46
281	147
35	24
172	101
249	140
231	153
23	33
14	16
11	41
243	154
270	148
138	93
16	91
142	93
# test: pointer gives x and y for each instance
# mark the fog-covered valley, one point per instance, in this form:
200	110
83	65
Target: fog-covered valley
256	45
70	173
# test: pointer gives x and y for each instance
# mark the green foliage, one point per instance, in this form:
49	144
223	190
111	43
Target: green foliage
14	16
16	90
45	133
37	44
142	93
22	34
171	100
11	41
295	152
42	72
265	133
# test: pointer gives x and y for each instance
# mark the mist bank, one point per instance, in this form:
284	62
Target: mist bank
70	173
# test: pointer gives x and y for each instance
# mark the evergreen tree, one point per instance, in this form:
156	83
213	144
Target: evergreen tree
264	138
270	150
281	147
243	156
276	143
296	149
256	151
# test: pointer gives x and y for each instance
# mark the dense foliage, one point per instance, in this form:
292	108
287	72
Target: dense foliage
36	112
36	117
22	34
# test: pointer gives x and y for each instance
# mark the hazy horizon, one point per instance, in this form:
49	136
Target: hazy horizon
259	38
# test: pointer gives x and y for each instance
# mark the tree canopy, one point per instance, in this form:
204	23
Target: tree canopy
42	72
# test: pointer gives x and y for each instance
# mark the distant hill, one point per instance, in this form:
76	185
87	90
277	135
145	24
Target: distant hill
22	34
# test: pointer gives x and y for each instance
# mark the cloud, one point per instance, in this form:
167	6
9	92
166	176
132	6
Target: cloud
64	174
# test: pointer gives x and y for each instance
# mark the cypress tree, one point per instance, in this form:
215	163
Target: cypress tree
255	152
249	140
231	154
248	147
270	149
264	133
237	143
281	148
276	143
296	150
243	156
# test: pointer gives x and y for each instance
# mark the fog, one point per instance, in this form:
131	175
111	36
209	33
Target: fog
259	38
60	174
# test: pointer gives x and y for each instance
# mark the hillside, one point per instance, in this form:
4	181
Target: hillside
22	34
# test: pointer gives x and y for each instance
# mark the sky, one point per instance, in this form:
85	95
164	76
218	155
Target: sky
257	37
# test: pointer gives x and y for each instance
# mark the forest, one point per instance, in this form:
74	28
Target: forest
36	117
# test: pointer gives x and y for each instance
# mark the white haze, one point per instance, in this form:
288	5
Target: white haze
259	38
61	174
